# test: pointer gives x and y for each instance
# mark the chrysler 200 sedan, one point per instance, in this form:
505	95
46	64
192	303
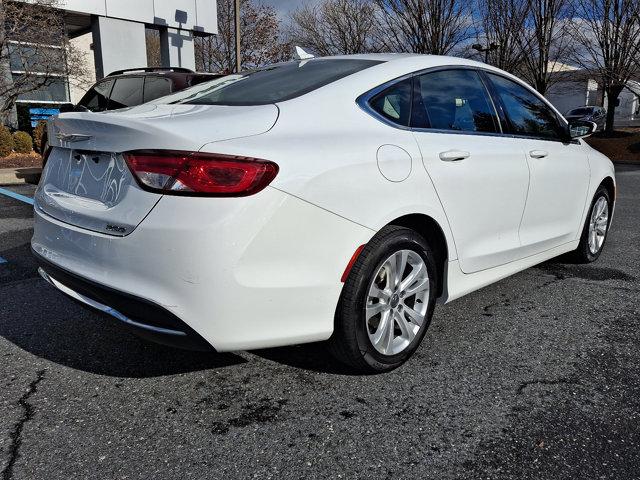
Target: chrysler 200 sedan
332	199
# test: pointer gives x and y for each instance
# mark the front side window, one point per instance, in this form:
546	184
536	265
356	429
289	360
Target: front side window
97	98
528	114
455	100
394	103
127	92
272	84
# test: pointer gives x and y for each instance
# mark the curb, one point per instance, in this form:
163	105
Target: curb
9	176
621	163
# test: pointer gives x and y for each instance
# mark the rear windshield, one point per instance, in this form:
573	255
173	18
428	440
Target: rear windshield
272	84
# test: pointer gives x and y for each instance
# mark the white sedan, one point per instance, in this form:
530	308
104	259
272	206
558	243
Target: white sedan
333	199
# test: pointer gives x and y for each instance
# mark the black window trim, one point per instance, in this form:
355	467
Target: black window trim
502	116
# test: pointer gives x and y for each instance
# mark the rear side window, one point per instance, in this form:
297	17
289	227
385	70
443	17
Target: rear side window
528	114
127	92
275	83
97	98
156	87
394	103
454	100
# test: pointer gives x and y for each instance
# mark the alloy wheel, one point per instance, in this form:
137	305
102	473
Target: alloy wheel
397	301
598	225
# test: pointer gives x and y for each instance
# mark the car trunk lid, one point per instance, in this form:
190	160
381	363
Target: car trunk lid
86	181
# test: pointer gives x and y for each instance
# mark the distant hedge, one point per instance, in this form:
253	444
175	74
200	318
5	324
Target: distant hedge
6	142
39	136
23	142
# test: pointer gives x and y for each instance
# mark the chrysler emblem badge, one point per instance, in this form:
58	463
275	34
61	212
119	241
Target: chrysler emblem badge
72	137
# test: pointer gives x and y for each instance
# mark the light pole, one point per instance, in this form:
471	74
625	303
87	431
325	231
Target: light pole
237	22
486	49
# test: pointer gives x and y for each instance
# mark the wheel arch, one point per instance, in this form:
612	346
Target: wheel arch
610	185
433	233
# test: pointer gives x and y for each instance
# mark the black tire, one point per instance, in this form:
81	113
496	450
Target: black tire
350	342
583	253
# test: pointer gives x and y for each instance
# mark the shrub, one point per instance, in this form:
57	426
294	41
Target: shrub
39	136
6	142
23	142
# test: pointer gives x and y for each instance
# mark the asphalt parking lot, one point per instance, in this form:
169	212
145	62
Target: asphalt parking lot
535	377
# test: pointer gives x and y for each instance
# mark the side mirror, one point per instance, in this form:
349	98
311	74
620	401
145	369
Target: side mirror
581	128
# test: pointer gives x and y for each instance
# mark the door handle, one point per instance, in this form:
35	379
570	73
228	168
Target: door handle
454	155
538	153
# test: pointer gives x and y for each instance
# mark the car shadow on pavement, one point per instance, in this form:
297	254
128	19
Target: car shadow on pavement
41	321
311	356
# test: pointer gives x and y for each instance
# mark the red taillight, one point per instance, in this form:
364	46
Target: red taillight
186	173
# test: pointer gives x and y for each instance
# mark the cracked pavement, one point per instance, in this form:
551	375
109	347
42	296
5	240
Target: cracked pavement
533	377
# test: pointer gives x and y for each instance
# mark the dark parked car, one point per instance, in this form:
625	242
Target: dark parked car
131	87
128	88
597	115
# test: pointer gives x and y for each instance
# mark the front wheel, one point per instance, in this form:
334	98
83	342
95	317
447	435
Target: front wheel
387	302
596	228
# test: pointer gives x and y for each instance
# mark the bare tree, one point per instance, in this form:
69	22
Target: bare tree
260	42
425	26
33	43
154	49
501	23
608	33
336	27
545	41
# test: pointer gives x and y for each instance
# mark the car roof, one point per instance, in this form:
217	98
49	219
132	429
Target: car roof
411	62
403	57
395	64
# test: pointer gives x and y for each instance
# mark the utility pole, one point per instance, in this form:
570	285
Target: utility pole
237	18
486	50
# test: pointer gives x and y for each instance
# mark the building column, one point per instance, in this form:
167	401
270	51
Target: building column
176	48
118	44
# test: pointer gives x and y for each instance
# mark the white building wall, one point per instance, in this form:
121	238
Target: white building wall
628	109
118	44
566	95
177	48
137	10
198	15
78	85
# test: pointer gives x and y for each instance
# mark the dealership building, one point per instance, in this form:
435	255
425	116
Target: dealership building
114	35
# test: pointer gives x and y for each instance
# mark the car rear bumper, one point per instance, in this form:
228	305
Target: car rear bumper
242	273
140	316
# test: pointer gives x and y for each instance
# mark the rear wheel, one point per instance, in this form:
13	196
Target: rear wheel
387	302
595	230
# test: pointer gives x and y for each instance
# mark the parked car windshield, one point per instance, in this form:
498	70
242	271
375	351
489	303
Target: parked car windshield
581	111
271	84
